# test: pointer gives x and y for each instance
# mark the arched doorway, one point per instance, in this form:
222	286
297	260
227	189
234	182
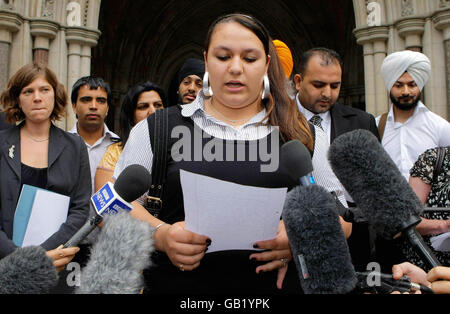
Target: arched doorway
150	40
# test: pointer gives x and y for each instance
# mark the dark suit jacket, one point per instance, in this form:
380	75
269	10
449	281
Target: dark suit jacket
3	123
345	119
68	174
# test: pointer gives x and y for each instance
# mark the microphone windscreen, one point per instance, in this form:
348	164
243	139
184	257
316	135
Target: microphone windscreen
295	159
373	180
132	182
119	256
317	241
27	270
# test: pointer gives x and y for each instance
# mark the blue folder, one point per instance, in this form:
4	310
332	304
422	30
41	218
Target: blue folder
23	212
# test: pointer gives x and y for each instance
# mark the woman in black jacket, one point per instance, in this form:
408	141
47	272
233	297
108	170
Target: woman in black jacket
37	153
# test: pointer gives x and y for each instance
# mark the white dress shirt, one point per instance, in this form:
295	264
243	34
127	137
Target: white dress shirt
404	142
97	150
326	118
323	174
96	153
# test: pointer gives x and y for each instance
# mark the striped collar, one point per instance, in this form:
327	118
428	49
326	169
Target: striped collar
197	109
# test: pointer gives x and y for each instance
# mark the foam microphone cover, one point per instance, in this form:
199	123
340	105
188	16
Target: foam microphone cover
119	256
295	159
317	241
27	270
373	180
133	182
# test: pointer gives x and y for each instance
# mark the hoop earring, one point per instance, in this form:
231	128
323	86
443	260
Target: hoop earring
207	90
266	92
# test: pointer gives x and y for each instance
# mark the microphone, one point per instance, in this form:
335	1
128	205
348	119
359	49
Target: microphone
318	242
377	186
27	270
387	284
133	182
296	162
118	258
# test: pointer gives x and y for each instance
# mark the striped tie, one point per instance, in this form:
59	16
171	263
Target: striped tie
317	121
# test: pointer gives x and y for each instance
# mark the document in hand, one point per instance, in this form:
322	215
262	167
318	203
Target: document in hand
441	242
234	216
39	214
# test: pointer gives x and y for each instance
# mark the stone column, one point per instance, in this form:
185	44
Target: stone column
43	32
80	41
442	22
380	52
9	24
412	30
373	39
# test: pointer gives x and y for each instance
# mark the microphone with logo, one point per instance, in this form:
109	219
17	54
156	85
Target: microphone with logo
378	188
296	162
132	183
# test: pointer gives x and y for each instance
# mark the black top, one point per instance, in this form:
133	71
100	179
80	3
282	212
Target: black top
34	176
67	174
219	272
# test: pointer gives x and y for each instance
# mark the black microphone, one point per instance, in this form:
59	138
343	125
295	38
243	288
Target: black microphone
379	283
27	270
296	162
378	188
118	258
317	241
133	182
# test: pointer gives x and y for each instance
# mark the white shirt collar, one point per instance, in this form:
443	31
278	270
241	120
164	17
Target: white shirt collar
418	110
198	106
326	116
106	133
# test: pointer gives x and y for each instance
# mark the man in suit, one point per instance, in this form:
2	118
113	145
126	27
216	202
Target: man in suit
318	82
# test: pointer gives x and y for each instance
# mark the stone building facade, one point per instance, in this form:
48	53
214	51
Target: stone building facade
66	33
386	26
60	33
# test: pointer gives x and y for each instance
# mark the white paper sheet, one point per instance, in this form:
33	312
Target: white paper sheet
234	216
49	212
441	242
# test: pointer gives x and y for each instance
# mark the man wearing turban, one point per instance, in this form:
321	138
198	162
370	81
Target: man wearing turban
190	80
410	128
287	63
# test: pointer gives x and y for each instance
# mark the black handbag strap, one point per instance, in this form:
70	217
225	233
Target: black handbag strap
159	142
439	162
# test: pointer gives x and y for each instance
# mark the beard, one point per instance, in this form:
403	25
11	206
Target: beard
406	106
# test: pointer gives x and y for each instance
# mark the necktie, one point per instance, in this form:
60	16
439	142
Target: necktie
317	121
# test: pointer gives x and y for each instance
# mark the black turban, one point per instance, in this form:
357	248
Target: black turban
191	67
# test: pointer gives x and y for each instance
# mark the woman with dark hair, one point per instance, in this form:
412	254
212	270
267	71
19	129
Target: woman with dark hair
37	153
141	101
244	100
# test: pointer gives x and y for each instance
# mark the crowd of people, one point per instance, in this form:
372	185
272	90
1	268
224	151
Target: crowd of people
246	88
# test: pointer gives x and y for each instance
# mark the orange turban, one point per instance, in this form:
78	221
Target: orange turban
285	56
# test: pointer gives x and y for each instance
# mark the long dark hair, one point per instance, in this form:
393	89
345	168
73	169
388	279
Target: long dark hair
282	110
129	104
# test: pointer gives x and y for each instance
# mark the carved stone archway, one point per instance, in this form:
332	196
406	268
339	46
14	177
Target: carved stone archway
150	40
